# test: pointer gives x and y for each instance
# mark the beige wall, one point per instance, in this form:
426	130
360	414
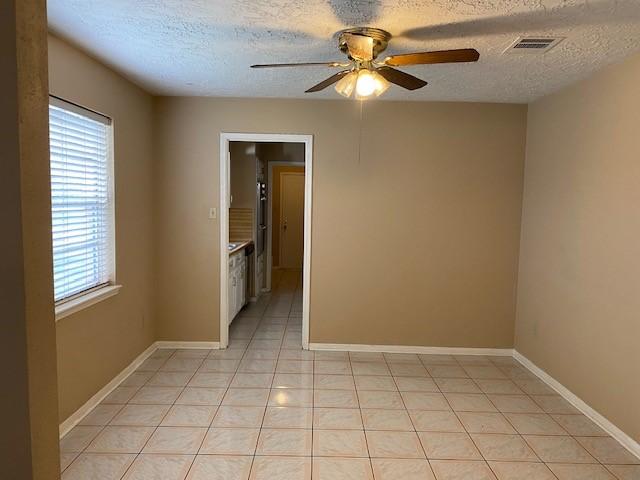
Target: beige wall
579	294
28	402
415	237
95	344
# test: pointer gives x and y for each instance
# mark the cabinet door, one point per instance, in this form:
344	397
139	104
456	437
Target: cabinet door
238	291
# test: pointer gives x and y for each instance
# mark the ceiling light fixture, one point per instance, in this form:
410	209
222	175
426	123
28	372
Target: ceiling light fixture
364	82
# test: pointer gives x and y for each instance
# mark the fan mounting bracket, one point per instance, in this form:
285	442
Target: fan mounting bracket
380	38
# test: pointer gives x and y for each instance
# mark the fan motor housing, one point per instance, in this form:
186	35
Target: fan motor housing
380	38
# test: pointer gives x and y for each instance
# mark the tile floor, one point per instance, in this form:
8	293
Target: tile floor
266	409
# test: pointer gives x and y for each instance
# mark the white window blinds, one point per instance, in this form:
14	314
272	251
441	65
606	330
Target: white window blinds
81	199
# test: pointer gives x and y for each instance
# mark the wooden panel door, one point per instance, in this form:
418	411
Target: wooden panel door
291	219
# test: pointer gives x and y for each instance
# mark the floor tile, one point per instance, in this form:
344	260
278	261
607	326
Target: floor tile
141	415
246	397
101	415
293	380
579	425
625	472
404	469
211	379
170	379
534	424
416	384
337	418
281	468
435	421
335	399
457	385
156	395
179	364
252	380
339	443
554	404
288	417
238	417
370	368
120	440
392	420
230	441
66	459
580	472
485	372
407	370
201	396
291	397
366	356
607	450
370	382
448	446
331	367
505	387
120	395
294	366
508	448
289	442
534	387
461	470
394	445
334	382
137	379
521	471
177	440
79	438
98	466
342	469
218	467
485	422
159	467
425	401
437	359
556	449
514	403
447	371
469	402
189	416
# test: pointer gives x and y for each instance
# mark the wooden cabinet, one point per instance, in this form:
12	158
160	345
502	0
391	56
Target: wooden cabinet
237	283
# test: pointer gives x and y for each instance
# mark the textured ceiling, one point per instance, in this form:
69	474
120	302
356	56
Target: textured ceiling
205	47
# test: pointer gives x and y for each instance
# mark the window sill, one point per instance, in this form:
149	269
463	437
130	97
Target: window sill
72	306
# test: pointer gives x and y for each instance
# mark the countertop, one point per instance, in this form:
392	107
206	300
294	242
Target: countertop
241	245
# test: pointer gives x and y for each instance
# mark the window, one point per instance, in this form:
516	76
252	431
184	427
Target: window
81	200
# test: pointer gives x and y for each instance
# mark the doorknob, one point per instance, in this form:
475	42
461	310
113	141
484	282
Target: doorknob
284	227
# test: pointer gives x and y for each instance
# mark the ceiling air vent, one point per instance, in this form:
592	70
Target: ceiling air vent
533	44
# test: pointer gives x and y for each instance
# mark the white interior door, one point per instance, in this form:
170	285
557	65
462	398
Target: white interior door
291	219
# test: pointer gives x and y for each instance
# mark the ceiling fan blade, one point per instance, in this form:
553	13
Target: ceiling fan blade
329	81
400	78
360	47
425	58
305	64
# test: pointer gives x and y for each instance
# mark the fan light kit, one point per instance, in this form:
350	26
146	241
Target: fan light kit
368	77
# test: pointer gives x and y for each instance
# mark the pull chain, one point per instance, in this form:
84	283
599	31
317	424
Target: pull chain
360	132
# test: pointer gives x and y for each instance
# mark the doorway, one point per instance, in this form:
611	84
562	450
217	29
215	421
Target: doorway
294	229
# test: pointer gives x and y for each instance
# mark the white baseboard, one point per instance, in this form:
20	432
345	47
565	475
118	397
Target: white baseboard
94	401
90	404
357	347
184	345
624	439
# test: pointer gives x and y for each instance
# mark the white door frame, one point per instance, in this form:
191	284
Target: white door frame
224	203
270	166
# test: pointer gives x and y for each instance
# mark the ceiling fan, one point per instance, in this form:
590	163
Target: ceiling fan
367	76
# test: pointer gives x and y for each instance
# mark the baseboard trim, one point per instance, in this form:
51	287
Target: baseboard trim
77	416
624	439
209	345
357	347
